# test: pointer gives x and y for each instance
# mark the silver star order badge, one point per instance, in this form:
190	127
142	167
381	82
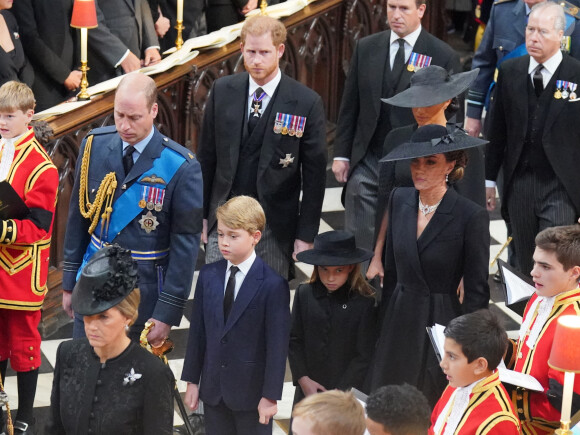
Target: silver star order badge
131	377
287	160
148	222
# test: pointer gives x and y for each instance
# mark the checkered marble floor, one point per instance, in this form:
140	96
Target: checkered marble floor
332	218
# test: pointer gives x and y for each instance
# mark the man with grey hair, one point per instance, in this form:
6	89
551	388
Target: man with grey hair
532	134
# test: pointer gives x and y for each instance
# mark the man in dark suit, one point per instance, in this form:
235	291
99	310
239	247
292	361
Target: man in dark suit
50	45
532	134
238	337
264	135
124	41
379	70
139	189
164	14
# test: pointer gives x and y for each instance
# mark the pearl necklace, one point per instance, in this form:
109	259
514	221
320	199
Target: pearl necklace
428	209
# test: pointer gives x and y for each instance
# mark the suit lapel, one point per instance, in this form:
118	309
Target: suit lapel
377	64
519	90
217	295
235	116
146	159
440	220
114	159
409	233
520	18
251	285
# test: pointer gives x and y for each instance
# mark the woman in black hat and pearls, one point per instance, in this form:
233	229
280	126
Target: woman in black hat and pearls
333	318
434	238
433	98
105	383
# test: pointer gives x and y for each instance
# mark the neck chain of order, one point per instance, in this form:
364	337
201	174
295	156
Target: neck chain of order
428	209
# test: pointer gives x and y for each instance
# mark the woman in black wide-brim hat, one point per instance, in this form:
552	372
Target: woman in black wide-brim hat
435	237
105	383
433	98
333	334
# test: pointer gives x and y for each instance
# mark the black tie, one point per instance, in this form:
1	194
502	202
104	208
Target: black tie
229	295
128	159
399	62
538	80
255	109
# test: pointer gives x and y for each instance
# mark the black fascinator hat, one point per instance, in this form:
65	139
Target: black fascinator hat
107	279
334	248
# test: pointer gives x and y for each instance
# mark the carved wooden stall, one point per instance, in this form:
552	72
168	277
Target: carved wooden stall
321	38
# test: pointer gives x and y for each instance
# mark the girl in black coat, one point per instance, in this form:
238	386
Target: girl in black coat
333	318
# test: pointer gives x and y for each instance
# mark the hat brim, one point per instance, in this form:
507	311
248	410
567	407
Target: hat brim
84	303
324	258
411	150
426	95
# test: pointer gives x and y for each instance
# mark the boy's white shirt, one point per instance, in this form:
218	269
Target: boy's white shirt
543	306
7	149
458	403
244	268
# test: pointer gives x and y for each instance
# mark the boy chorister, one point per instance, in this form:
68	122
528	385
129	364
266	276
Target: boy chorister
24	245
475	402
556	272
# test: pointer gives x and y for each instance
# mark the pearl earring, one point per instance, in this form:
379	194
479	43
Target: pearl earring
447	178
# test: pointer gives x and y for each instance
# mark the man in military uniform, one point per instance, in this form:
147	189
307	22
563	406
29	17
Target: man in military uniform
382	65
139	189
504	38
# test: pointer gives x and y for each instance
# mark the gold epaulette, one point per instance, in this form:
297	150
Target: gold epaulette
498	2
570	8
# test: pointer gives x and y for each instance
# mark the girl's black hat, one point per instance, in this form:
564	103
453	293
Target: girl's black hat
334	248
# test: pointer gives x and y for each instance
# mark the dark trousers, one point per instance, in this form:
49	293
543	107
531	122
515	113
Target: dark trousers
535	203
221	420
221	15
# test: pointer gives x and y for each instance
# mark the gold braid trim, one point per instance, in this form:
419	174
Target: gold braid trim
104	194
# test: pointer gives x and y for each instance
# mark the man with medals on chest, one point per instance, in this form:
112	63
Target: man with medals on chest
532	136
139	189
264	135
381	66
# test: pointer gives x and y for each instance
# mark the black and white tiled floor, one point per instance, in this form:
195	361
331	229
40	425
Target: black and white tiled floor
332	218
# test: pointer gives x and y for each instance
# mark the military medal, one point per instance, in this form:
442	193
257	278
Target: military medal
278	123
558	93
149	222
143	202
573	87
257	104
286	122
300	129
565	92
285	162
150	203
292	129
418	61
159	200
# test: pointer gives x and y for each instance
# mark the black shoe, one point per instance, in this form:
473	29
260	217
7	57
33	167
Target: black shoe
22	428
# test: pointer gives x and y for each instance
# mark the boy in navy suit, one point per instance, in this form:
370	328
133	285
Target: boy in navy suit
240	327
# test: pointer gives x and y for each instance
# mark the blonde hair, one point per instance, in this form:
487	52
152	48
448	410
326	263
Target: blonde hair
260	24
355	280
129	307
16	96
242	213
332	412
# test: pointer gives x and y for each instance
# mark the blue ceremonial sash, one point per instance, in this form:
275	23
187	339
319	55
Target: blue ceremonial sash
126	207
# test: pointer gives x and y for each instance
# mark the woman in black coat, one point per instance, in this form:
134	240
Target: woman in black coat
107	384
433	100
435	237
13	63
333	319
